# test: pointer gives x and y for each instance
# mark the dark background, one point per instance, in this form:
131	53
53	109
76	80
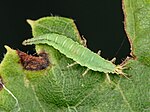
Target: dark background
100	21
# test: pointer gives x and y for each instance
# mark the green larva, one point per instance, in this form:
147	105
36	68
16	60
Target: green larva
77	52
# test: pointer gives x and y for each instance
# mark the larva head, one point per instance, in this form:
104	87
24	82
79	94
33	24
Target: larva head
118	70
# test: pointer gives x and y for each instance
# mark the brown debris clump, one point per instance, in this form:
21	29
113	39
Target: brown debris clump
30	62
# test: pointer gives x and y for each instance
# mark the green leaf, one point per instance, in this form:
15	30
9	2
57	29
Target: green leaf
61	89
137	22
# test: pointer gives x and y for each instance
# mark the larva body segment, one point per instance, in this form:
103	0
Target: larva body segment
75	51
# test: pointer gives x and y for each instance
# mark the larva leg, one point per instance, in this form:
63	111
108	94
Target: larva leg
99	52
113	60
125	76
85	72
108	78
84	41
72	64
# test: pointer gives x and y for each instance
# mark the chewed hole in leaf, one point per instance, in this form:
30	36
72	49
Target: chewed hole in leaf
30	62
